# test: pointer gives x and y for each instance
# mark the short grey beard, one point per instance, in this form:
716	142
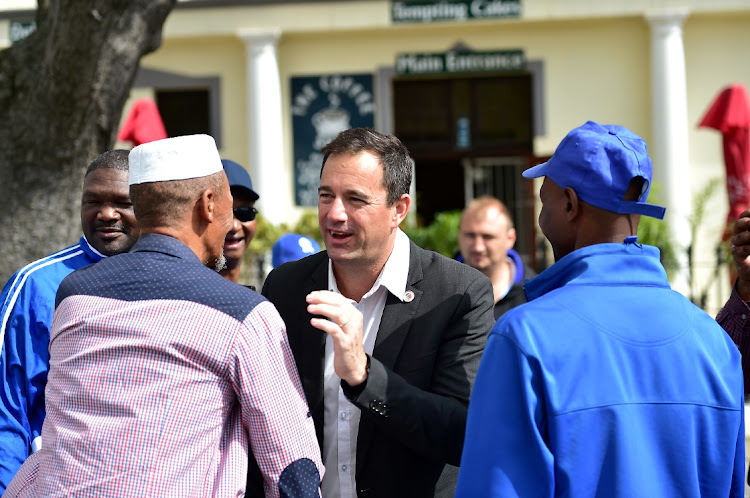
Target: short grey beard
220	264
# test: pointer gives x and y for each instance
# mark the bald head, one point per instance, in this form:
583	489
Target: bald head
170	204
487	206
485	234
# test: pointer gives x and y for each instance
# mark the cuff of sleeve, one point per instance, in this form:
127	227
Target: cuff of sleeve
736	303
733	317
352	392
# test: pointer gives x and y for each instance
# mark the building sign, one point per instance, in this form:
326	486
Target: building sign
422	11
323	106
461	62
21	29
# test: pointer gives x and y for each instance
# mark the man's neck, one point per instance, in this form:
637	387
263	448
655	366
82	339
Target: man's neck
187	237
353	281
502	278
355	277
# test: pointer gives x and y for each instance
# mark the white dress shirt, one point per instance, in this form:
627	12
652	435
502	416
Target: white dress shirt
341	418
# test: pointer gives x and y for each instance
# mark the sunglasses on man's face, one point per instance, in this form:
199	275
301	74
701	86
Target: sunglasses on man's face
245	213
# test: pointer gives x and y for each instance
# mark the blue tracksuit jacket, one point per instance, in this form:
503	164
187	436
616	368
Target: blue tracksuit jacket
606	383
28	301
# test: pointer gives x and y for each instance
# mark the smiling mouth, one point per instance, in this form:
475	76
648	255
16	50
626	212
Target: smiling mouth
339	235
232	242
108	232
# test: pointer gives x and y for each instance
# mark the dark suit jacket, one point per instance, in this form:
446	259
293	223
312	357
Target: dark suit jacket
426	355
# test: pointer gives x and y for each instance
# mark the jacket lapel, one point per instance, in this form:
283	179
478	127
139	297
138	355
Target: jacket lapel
395	325
398	315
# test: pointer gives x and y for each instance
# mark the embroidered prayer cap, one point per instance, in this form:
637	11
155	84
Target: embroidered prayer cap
177	158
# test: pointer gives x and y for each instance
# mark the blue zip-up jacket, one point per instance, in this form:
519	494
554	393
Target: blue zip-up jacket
28	301
606	383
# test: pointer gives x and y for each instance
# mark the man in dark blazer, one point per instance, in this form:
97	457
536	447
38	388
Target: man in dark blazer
387	337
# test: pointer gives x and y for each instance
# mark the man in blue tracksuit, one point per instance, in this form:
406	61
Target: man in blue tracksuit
607	382
486	236
28	300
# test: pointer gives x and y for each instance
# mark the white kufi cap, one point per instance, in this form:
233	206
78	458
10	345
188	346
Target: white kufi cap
178	158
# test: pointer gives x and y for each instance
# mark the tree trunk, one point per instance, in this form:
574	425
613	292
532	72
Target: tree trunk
62	91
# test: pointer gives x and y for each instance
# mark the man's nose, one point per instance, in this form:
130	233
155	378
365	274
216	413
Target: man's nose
236	224
108	212
338	210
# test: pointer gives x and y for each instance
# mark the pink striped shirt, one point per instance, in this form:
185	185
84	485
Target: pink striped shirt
165	397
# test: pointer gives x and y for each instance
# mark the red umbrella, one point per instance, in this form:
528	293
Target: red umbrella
730	114
143	123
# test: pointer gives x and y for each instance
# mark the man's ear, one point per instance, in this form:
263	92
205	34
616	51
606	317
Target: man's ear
206	205
572	204
402	208
511	236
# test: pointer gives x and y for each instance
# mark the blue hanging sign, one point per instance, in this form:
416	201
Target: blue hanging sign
323	106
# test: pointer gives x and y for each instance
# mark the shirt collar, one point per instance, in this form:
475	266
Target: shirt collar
154	242
394	274
90	251
629	263
515	260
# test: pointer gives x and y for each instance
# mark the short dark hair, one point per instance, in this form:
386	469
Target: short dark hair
112	159
392	154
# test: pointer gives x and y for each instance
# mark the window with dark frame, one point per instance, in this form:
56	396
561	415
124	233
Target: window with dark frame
184	111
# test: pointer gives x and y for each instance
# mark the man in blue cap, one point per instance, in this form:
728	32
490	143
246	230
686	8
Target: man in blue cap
291	247
244	224
607	382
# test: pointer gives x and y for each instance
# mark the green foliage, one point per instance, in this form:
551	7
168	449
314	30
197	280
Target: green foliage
267	233
656	233
699	206
699	296
440	236
308	225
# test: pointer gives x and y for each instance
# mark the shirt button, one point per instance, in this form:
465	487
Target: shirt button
744	316
342	415
344	468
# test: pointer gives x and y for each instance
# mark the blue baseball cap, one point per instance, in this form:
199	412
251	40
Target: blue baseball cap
239	178
598	162
291	247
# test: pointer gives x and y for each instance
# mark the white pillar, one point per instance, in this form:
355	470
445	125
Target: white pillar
267	161
669	147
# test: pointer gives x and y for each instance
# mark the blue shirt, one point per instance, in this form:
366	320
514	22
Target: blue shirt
28	301
606	383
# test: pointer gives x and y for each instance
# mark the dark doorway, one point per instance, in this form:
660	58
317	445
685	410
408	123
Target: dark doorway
184	112
445	121
439	186
469	135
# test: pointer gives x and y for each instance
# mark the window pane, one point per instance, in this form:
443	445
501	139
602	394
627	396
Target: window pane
184	112
423	111
503	111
